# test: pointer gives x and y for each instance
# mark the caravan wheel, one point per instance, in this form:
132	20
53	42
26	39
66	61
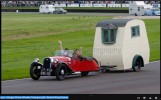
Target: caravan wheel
84	73
137	66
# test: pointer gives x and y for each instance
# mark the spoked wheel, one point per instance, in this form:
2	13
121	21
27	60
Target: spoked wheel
84	73
34	72
61	72
137	66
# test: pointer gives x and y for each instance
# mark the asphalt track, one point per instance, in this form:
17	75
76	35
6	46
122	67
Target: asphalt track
145	82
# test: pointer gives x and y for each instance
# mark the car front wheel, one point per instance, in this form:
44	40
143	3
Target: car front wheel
61	72
34	72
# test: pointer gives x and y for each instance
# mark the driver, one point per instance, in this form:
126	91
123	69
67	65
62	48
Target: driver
64	52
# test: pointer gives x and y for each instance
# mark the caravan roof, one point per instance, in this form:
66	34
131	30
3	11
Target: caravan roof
148	6
115	22
140	3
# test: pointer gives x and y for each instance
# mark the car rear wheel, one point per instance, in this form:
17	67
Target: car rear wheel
61	72
34	72
84	73
137	66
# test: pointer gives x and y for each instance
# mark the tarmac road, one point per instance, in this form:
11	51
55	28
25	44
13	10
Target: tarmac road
145	82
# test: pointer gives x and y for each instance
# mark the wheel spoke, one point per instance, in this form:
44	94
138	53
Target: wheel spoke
35	72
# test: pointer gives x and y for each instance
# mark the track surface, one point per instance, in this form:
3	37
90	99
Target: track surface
145	82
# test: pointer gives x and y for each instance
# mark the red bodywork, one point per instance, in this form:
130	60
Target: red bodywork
78	65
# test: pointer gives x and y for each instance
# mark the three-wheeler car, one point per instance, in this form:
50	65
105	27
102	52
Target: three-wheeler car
61	66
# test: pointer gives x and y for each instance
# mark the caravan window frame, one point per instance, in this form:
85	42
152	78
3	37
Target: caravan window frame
109	36
135	31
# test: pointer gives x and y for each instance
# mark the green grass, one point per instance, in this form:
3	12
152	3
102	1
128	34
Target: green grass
27	36
85	8
153	30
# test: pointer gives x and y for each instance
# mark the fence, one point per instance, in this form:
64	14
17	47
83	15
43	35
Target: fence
73	5
97	5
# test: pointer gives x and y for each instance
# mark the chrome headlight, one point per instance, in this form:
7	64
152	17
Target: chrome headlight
56	60
36	60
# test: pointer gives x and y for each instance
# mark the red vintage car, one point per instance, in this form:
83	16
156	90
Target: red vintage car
61	66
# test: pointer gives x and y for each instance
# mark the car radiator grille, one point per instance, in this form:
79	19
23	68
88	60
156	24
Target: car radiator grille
46	64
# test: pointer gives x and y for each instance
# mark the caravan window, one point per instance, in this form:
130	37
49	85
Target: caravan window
135	31
138	8
108	36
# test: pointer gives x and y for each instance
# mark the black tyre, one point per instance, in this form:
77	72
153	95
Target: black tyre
84	73
61	72
137	66
103	70
34	72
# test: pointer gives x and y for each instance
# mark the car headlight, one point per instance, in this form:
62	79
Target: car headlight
56	60
36	60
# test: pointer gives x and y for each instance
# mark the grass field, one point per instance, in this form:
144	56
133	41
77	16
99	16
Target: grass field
27	36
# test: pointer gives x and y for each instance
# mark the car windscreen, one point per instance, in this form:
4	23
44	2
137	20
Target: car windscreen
63	53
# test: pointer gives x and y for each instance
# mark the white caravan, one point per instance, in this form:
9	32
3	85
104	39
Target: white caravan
46	9
121	44
138	8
